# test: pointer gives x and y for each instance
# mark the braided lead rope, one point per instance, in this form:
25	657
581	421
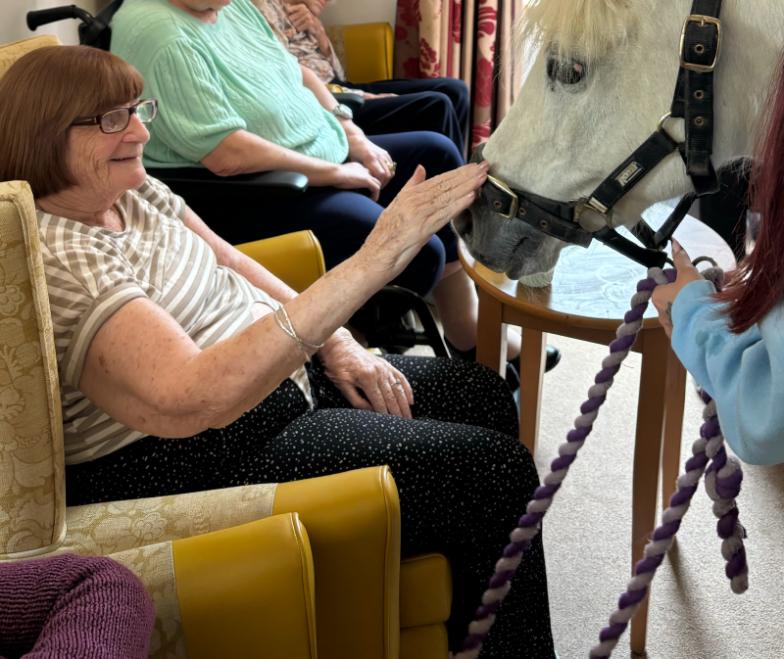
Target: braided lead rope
722	483
704	451
529	524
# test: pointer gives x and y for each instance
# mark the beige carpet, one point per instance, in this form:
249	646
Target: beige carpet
693	613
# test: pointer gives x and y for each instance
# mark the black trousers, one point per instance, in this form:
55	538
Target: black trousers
462	475
437	104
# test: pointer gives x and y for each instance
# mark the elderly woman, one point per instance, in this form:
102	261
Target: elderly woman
233	100
184	365
391	106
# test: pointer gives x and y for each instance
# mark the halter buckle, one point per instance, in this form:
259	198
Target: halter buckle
594	204
514	202
702	19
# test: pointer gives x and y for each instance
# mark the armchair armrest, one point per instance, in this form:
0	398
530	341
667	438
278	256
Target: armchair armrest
296	257
353	521
366	50
248	591
192	182
354	101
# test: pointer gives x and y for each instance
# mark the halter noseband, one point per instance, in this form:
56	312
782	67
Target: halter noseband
700	47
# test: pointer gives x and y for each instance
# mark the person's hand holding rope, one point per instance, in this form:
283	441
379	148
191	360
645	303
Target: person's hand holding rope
664	296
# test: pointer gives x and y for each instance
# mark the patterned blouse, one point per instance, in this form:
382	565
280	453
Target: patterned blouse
303	45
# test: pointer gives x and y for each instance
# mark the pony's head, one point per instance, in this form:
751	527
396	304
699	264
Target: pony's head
601	75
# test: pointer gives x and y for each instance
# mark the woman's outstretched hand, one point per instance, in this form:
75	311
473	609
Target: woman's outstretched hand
664	296
421	208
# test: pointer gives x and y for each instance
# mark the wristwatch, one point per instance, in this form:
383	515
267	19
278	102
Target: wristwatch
342	111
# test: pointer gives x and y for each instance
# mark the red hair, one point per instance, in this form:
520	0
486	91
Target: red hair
758	283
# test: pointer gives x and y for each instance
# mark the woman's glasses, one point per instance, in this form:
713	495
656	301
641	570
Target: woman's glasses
117	120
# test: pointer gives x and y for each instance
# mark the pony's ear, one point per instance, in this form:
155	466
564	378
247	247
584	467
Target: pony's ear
586	29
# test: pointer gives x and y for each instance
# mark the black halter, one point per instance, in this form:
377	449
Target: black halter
692	101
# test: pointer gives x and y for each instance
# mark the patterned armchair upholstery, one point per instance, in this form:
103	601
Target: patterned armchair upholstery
232	571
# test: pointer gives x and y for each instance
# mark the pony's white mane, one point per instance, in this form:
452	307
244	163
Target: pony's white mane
585	29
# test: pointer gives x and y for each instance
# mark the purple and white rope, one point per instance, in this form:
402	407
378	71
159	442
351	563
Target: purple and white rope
722	483
704	450
709	448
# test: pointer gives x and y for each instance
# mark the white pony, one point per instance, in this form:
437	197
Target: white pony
602	74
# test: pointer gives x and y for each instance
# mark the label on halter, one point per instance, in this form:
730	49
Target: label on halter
629	174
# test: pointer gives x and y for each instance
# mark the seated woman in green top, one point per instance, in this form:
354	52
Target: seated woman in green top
234	100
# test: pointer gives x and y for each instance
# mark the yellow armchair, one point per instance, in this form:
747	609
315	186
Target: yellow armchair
233	572
296	257
365	49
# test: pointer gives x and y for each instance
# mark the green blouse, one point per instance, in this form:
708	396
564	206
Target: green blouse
214	79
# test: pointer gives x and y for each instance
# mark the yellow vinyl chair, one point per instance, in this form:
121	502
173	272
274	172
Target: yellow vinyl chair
233	572
365	49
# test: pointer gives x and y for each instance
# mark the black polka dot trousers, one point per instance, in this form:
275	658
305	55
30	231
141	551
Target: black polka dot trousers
463	477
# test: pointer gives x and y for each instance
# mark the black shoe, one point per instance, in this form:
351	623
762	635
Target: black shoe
552	357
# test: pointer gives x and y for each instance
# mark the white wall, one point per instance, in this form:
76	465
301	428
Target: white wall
343	12
13	26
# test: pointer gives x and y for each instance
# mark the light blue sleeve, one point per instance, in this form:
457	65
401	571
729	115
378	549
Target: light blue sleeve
744	373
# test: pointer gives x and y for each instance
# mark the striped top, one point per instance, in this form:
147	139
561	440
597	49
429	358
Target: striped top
91	272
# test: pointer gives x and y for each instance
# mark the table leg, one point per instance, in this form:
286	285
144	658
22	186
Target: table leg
647	456
673	427
490	339
532	358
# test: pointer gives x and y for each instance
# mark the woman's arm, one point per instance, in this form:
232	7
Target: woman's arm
353	371
243	152
744	373
146	372
360	148
229	256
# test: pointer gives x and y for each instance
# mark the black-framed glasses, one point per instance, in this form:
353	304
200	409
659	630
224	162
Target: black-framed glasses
117	120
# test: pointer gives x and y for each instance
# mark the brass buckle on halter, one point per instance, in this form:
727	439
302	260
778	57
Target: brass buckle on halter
514	202
702	20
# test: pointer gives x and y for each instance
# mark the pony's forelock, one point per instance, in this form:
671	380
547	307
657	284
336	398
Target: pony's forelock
584	29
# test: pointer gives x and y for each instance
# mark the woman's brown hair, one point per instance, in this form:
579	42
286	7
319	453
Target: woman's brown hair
42	94
758	284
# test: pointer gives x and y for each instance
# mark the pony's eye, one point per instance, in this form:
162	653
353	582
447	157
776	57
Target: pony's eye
566	72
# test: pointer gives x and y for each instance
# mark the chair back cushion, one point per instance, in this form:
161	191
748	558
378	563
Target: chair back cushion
32	506
365	49
10	52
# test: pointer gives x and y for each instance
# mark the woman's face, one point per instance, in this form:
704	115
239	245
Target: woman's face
107	164
206	10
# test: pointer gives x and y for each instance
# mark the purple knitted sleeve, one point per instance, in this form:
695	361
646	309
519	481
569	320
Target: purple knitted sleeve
73	606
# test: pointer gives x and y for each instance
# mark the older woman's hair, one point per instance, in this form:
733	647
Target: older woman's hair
42	94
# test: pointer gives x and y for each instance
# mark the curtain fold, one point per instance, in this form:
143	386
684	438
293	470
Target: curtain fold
467	39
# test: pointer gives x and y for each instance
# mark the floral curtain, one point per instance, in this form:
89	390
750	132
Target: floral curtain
467	39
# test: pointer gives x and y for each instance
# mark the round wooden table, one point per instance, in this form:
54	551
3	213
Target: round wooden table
587	299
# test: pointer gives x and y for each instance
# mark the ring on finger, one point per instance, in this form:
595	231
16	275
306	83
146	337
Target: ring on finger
397	383
392	166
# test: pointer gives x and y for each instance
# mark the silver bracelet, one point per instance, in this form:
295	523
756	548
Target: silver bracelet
284	322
